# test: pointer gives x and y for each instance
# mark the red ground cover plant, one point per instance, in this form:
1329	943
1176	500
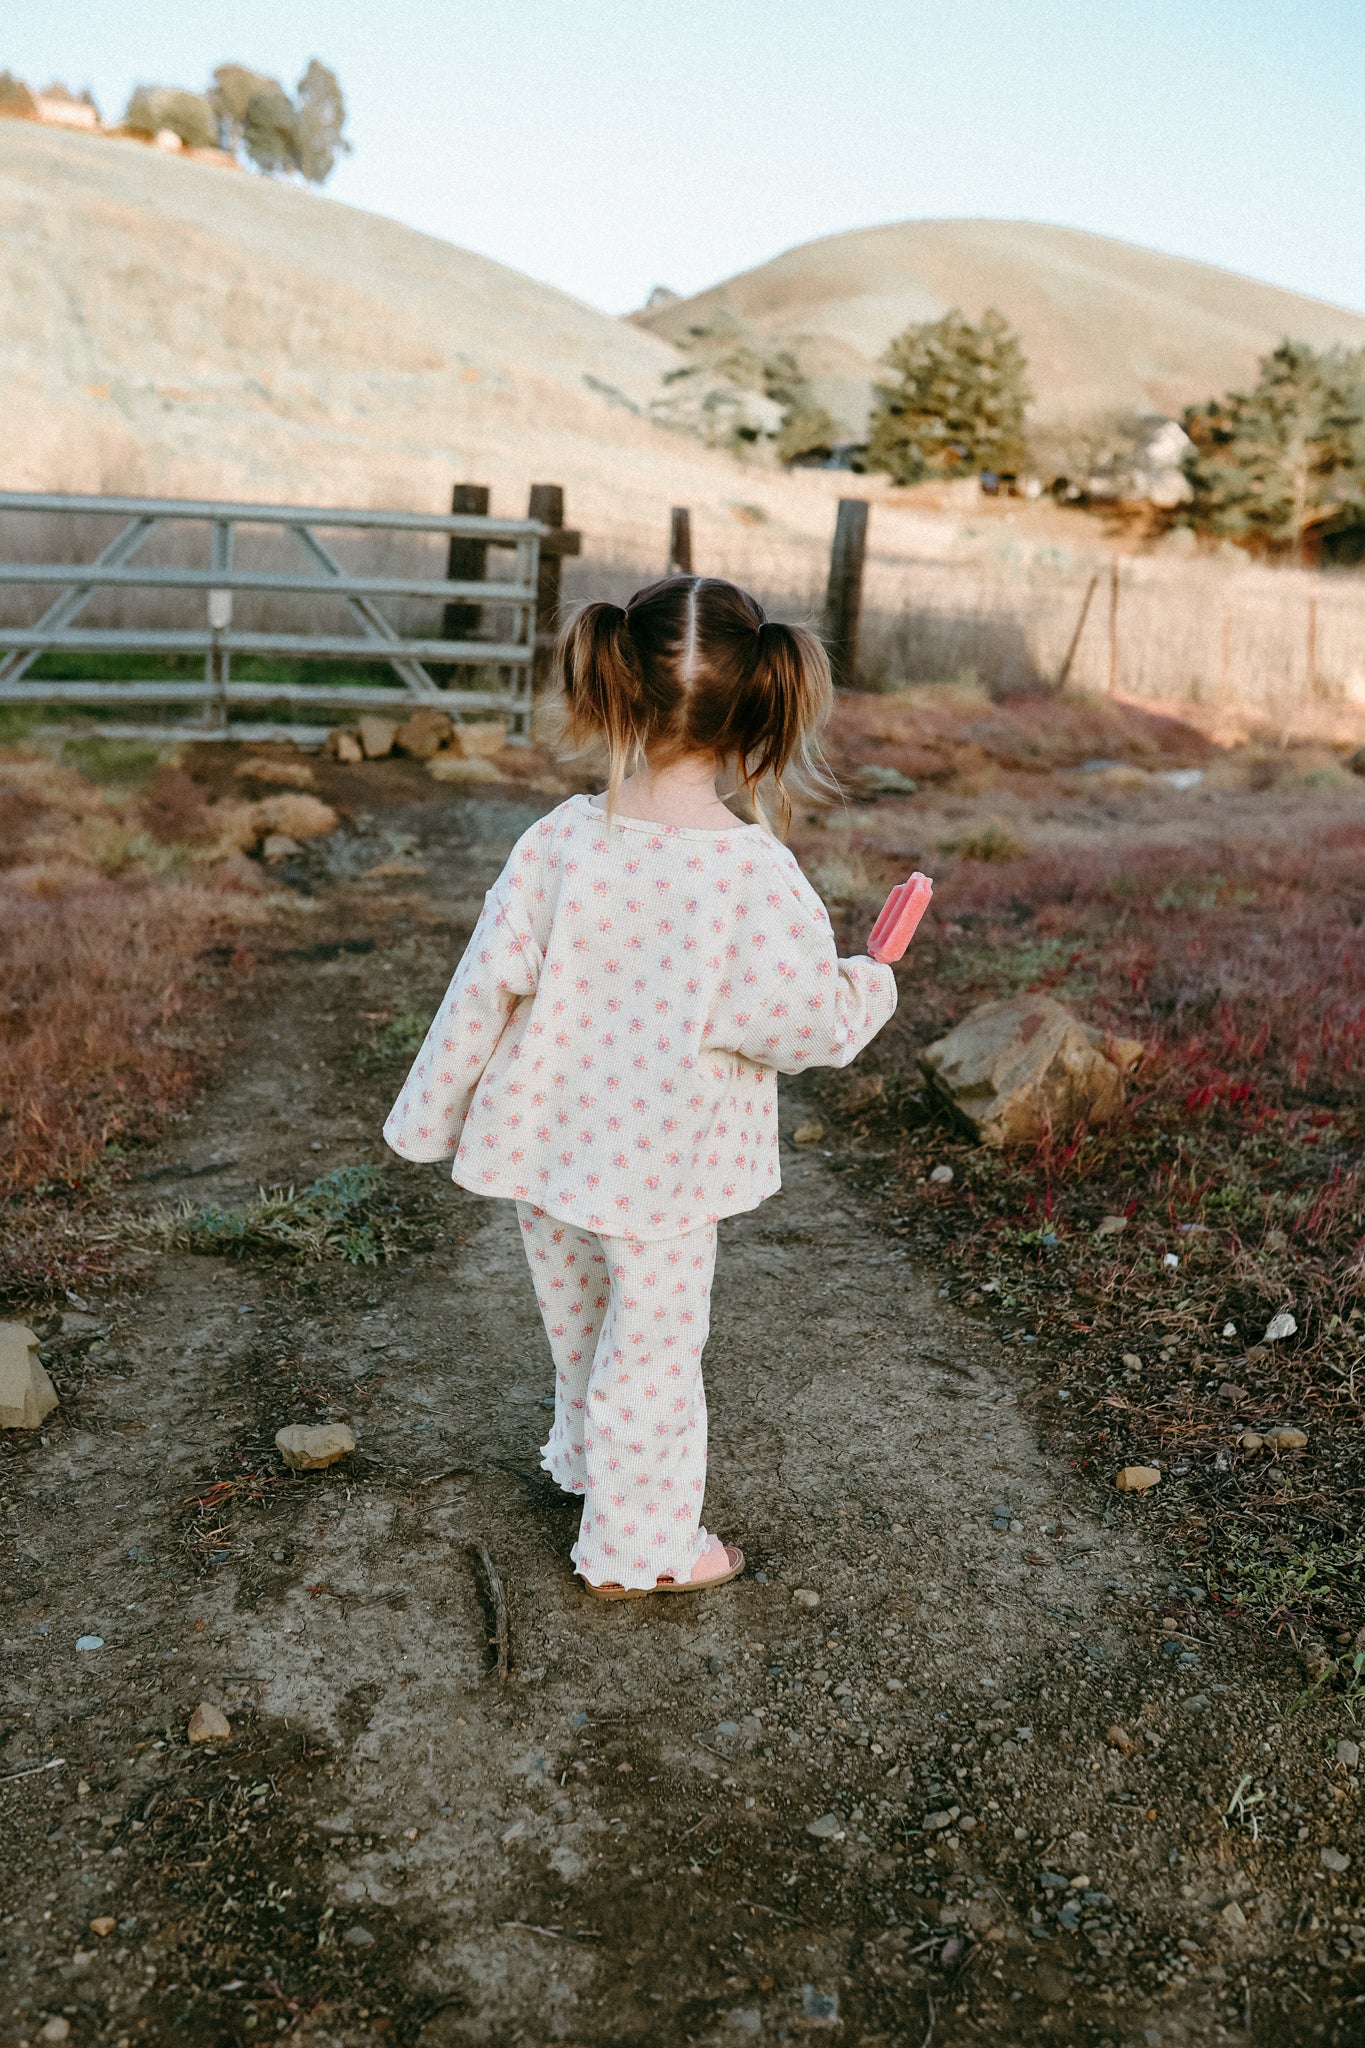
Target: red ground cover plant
108	933
1239	1154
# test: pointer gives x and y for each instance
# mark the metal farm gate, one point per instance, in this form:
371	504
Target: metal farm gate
503	666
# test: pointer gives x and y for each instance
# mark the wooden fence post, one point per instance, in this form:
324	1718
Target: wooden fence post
546	504
844	597
466	562
680	541
1113	625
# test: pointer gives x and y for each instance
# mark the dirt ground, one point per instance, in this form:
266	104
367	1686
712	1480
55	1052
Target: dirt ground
959	1759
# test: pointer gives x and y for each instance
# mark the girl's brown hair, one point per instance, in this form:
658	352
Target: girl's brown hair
693	665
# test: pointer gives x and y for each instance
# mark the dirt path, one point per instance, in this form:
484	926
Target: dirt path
896	1812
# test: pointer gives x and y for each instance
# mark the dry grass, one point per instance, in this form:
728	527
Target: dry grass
107	926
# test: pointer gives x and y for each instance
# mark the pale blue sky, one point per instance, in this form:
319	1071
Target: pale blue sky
608	145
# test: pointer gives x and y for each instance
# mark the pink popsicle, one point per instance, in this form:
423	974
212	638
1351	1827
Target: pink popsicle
898	917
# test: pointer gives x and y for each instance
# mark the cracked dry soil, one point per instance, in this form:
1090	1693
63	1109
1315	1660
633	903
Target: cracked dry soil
894	1817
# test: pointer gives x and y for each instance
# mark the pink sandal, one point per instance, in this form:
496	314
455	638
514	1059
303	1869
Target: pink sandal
717	1565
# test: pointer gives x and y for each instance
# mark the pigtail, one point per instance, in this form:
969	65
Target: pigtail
790	697
603	689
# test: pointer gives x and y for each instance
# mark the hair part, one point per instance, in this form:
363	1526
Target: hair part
693	665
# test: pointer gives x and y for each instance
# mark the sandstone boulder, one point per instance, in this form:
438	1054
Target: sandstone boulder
377	736
308	1449
424	733
1016	1068
453	767
344	745
477	738
26	1392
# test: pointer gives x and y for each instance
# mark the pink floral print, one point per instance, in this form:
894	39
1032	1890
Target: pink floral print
627	1324
608	1047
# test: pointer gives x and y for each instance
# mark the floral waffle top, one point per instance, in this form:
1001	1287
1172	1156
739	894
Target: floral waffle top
609	1045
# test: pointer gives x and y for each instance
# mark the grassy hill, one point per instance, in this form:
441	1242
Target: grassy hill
177	328
1106	325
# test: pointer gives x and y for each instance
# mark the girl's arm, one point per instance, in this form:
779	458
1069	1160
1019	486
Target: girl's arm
792	1003
501	965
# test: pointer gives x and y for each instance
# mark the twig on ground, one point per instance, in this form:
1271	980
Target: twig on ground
500	1639
929	2030
555	1933
53	1764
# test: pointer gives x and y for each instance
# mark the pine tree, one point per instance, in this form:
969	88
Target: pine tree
956	403
1269	464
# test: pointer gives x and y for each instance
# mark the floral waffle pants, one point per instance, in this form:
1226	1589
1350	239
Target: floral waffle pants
627	1324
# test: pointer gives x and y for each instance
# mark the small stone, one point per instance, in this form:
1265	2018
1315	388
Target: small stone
1229	1392
934	1823
951	1951
828	1828
1286	1439
1233	1916
359	1937
1131	1362
424	733
1336	1859
808	1134
806	1596
55	2029
941	1176
27	1395
103	1926
1110	1226
82	1959
344	746
1229	1329
1282	1325
1119	1738
745	2019
377	737
279	846
1137	1478
90	1642
1348	1752
1251	1441
1170	1261
209	1724
453	767
306	1448
821	2008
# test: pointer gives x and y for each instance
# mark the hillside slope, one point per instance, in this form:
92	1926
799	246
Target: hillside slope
175	328
1105	324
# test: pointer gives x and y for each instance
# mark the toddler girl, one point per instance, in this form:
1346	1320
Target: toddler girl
608	1050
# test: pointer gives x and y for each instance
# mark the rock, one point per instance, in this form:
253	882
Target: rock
872	779
452	767
55	2029
1110	1226
806	1596
1229	1329
343	745
286	774
1282	1325
90	1642
1119	1738
820	2008
1170	1260
1233	1916
1251	1441
377	736
209	1724
1348	1752
745	2019
1137	1478
808	1134
941	1176
477	738
828	1828
1335	1859
293	812
359	1937
1016	1068
27	1395
1229	1392
935	1823
279	846
424	733
1286	1439
104	1925
306	1448
1131	1362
